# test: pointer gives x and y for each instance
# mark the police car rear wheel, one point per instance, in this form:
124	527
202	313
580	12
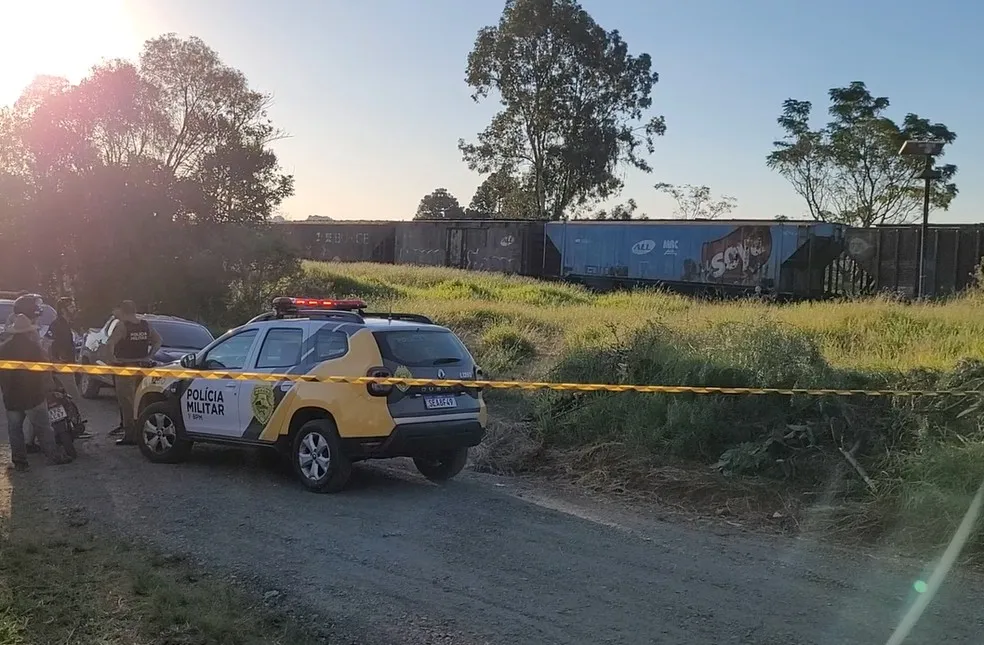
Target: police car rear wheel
318	459
443	466
161	439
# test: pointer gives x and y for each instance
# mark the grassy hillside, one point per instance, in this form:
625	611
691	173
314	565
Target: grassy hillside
865	335
923	460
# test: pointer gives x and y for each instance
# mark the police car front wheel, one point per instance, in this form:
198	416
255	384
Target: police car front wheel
161	439
318	459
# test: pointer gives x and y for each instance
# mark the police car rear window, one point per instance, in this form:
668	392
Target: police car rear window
419	348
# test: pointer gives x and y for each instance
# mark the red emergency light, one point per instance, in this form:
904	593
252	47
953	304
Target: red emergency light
326	303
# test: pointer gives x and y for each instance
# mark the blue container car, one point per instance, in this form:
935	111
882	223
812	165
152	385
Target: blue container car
790	259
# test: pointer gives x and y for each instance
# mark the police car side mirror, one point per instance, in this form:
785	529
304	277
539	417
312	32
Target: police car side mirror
189	361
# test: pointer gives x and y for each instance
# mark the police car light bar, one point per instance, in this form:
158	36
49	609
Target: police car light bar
314	303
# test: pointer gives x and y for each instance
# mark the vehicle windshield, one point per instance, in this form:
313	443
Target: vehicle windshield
419	348
182	335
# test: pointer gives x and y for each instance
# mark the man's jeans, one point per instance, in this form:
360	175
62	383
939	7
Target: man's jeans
38	417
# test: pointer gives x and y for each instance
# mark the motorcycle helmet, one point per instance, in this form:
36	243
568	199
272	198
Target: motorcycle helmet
29	305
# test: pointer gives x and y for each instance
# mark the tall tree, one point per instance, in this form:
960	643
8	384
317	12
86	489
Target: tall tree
697	202
849	170
440	204
104	182
574	103
216	130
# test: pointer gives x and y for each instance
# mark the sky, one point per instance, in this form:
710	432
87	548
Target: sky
373	95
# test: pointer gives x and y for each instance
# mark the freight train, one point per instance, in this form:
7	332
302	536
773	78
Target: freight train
789	259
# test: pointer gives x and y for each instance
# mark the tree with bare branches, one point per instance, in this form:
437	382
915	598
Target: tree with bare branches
697	202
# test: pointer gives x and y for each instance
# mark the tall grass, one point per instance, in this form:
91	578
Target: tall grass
922	458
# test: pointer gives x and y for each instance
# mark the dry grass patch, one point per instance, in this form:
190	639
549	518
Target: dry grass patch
62	583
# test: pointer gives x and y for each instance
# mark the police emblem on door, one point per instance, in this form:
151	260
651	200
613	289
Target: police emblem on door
262	403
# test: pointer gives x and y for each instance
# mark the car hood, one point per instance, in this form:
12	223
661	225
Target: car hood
171	354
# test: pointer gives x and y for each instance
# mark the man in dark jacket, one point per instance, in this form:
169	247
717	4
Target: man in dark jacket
25	392
63	344
132	343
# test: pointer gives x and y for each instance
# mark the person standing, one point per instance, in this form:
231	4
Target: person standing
132	343
62	349
24	391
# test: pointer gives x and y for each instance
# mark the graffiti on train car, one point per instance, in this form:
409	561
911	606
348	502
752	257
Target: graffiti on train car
481	260
737	258
424	257
336	237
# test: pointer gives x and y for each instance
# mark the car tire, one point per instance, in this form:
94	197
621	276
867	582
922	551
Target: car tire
442	466
161	434
317	457
89	386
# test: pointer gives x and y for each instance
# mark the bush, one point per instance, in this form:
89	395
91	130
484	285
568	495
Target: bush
742	433
504	349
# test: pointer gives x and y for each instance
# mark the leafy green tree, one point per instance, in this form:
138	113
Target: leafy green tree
143	165
504	196
849	170
574	103
439	204
697	202
620	212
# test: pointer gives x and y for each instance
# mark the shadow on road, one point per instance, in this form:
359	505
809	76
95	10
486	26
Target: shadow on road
409	561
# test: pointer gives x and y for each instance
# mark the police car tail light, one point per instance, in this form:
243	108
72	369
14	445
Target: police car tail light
379	389
329	303
477	375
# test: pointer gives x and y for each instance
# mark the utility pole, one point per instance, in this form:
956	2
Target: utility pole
928	150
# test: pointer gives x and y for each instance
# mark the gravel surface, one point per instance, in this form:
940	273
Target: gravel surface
396	559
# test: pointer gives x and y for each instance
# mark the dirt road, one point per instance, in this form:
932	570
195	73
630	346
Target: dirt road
399	560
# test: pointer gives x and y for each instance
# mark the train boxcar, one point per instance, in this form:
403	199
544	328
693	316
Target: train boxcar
787	258
888	258
504	246
349	241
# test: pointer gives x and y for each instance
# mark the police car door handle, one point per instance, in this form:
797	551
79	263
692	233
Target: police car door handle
232	384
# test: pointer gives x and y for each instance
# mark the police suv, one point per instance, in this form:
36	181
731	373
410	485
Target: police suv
322	427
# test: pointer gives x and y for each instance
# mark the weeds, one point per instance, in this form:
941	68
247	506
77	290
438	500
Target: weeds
61	584
899	463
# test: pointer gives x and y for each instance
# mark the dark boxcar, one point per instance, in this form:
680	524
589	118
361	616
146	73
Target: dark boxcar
888	257
352	241
504	246
733	256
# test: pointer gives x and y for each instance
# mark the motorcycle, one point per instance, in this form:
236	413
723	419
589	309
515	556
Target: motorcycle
66	422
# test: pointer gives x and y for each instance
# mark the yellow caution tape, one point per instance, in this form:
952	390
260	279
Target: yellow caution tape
182	373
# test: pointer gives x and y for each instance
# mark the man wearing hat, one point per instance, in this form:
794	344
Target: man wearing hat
24	391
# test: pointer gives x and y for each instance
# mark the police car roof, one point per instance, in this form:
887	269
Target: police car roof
375	322
396	324
168	318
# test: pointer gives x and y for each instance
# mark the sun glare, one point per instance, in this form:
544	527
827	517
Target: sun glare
59	38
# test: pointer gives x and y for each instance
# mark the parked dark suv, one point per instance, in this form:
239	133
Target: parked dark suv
179	337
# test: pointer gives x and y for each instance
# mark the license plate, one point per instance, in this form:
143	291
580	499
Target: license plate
57	413
440	402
